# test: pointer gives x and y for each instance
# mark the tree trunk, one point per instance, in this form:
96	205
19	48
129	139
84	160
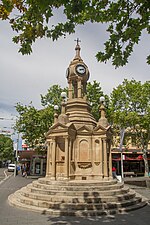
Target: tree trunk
146	172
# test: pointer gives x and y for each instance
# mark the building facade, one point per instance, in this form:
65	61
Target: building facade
132	156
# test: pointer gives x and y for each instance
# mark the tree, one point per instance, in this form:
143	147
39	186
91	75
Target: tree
130	109
33	123
125	20
94	92
6	148
53	96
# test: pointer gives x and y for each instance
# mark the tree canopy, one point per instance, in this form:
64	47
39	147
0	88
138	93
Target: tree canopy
130	109
130	104
53	96
34	123
94	92
6	148
125	21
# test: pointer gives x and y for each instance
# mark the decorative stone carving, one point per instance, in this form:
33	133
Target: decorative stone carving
84	165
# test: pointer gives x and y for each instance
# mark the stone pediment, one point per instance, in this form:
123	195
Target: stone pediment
84	129
71	126
58	127
100	128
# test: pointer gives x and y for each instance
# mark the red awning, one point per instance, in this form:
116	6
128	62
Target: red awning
25	146
139	158
116	159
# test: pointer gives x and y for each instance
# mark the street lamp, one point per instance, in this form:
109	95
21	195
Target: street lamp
102	99
56	113
56	107
63	104
64	96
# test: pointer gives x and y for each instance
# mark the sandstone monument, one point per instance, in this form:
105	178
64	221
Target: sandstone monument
79	165
78	146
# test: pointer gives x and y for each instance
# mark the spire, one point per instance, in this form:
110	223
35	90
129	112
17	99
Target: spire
55	113
103	120
63	117
77	48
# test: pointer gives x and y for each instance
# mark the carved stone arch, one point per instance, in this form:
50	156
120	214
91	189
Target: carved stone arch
60	149
84	151
97	150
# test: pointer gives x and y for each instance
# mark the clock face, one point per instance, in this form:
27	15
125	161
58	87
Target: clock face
80	69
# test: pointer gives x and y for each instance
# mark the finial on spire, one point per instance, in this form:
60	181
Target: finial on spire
77	48
103	120
77	40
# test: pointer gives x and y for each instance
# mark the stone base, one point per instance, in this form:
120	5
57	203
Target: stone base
78	198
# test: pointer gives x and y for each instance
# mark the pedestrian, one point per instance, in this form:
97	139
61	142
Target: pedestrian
22	169
25	174
114	172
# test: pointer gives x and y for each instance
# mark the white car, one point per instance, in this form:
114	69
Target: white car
11	167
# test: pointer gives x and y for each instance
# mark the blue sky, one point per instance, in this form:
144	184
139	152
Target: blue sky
24	78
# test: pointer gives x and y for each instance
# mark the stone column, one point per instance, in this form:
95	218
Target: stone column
41	172
91	150
75	90
70	90
33	169
79	88
48	160
101	158
69	157
53	158
66	157
105	158
110	162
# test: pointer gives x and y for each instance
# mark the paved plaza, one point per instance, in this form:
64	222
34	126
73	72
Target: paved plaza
12	216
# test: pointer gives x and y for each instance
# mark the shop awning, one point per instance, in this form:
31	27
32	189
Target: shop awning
129	158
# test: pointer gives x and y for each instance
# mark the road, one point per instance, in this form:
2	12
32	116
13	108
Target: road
12	216
4	174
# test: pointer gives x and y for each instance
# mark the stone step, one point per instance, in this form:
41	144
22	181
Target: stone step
77	183
89	197
64	188
13	200
76	198
38	191
75	206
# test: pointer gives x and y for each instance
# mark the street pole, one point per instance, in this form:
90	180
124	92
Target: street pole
122	175
16	156
121	143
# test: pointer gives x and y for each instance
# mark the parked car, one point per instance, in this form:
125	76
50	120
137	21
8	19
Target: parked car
11	167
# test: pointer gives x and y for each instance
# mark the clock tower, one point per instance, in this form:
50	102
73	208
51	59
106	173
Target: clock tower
77	106
77	75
